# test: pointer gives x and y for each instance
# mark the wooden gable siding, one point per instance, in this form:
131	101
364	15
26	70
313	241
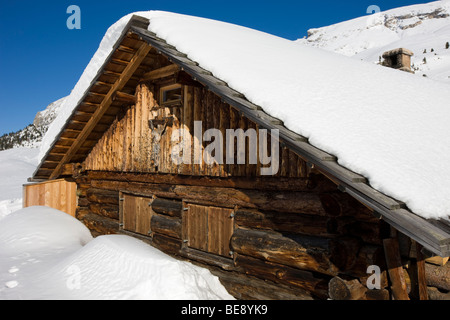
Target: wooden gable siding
130	145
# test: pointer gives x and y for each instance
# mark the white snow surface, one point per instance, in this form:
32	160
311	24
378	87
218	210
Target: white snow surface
46	254
17	165
423	29
390	126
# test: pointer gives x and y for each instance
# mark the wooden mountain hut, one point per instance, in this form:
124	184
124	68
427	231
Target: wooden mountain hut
310	231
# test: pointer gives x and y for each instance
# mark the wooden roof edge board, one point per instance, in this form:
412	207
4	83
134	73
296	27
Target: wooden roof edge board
442	224
417	228
36	180
135	21
356	184
33	182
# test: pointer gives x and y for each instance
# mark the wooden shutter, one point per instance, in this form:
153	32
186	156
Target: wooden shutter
209	229
136	214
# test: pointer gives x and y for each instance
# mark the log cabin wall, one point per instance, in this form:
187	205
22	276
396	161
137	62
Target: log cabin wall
294	231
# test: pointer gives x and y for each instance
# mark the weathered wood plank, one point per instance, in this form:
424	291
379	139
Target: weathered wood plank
395	268
220	229
196	222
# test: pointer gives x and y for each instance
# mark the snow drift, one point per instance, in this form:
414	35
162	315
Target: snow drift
391	127
46	254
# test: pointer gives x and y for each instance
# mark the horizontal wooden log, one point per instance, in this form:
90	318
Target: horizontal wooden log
438	276
302	252
171	208
282	222
81	212
306	280
101	225
69	169
340	289
161	73
167	244
325	255
109	211
124	98
314	183
244	287
165	225
208	258
83	202
103	196
296	202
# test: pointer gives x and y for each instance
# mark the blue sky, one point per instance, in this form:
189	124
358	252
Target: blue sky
41	59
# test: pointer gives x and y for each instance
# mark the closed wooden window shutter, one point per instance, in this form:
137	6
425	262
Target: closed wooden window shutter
137	214
209	229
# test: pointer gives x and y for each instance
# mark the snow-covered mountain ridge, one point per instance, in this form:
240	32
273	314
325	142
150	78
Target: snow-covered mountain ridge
423	29
32	135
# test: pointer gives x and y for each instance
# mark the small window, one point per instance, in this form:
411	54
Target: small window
136	214
209	229
170	94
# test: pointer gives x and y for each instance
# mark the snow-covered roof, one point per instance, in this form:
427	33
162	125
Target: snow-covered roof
389	126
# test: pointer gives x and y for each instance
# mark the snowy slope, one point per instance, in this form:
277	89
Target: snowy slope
389	126
46	254
17	165
19	162
45	117
423	29
32	135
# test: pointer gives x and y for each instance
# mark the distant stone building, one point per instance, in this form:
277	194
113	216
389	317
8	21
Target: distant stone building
398	59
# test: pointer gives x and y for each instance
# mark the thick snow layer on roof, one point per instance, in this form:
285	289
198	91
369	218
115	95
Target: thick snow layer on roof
390	126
